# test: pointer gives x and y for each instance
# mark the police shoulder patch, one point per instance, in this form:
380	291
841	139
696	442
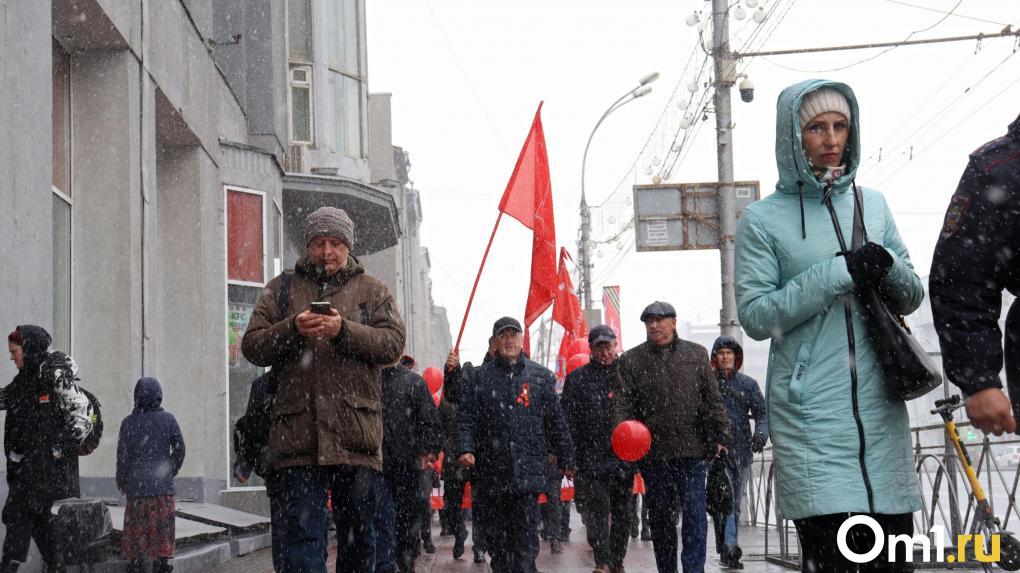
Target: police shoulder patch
954	215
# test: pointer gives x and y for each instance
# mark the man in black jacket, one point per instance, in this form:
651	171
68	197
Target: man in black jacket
508	421
42	456
411	441
977	256
603	483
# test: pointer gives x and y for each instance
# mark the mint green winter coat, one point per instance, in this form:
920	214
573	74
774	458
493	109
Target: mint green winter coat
790	287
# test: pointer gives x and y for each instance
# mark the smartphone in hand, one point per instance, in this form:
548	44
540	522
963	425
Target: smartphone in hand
321	308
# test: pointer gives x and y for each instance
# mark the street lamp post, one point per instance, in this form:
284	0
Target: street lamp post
584	245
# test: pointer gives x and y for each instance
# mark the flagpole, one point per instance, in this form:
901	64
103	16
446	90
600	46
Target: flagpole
467	311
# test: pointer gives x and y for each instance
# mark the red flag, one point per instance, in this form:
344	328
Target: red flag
567	311
528	198
567	308
611	304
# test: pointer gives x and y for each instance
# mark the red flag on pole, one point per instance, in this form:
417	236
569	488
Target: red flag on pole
567	312
528	198
611	304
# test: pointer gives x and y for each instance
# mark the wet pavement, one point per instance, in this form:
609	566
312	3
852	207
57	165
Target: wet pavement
576	556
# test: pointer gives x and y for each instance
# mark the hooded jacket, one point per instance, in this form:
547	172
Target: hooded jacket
40	429
791	287
740	396
328	406
150	448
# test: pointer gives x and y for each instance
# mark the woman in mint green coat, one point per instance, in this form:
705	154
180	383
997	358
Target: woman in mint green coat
841	442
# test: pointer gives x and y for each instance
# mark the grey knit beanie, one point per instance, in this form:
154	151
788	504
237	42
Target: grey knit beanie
330	222
821	101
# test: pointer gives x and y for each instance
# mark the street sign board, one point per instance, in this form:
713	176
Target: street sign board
684	216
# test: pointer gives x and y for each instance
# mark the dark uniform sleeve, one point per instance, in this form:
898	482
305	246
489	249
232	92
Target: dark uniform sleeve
568	405
968	274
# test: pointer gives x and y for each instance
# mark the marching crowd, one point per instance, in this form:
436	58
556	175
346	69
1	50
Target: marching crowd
348	424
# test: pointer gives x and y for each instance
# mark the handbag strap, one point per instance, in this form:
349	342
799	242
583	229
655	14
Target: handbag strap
860	235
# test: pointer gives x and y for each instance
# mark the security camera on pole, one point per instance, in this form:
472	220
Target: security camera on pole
725	68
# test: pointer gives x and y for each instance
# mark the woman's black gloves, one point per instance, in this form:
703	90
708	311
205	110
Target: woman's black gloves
869	264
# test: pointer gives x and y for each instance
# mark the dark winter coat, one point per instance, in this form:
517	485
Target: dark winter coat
150	448
448	421
511	420
410	421
977	256
672	390
328	408
587	404
740	395
36	432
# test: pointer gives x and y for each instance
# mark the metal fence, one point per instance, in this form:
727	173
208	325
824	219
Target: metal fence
945	492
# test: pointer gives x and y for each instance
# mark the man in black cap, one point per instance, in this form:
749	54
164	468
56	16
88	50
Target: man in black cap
603	484
668	384
508	421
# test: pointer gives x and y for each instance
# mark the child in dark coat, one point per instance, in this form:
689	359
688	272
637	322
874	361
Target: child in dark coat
150	452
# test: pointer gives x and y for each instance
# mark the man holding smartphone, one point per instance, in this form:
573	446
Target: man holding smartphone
327	415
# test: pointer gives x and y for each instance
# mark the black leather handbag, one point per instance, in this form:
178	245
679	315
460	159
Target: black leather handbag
909	371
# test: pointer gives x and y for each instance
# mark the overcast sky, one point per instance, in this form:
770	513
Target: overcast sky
466	77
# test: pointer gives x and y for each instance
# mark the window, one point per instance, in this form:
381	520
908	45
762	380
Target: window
246	237
342	33
246	246
301	104
299	28
346	95
345	81
61	197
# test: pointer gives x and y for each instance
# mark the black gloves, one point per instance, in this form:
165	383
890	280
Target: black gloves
757	443
869	264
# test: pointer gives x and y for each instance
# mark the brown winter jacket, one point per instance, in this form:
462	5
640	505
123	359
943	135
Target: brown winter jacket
327	409
673	391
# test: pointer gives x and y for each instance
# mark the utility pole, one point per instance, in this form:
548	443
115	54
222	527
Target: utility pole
725	75
584	253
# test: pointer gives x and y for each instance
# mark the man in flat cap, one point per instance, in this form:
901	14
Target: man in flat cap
508	420
327	354
668	384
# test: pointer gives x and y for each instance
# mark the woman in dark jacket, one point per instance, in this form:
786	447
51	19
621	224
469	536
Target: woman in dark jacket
39	445
150	451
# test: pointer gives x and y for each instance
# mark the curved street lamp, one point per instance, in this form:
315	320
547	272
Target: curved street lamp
641	90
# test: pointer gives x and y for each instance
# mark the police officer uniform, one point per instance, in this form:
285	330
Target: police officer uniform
977	256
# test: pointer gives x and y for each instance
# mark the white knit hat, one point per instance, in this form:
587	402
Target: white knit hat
821	101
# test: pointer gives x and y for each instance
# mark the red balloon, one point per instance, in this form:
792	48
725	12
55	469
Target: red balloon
578	346
576	361
631	440
437	398
434	378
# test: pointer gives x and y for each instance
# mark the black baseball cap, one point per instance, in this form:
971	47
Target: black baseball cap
658	308
600	333
505	323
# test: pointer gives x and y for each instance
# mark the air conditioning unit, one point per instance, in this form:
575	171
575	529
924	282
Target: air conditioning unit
297	159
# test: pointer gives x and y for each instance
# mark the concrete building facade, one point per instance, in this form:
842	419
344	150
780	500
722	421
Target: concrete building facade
159	159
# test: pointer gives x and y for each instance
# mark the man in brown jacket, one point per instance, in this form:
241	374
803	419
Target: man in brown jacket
668	384
327	424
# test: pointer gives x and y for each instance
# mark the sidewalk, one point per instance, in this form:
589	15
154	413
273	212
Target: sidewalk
576	556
